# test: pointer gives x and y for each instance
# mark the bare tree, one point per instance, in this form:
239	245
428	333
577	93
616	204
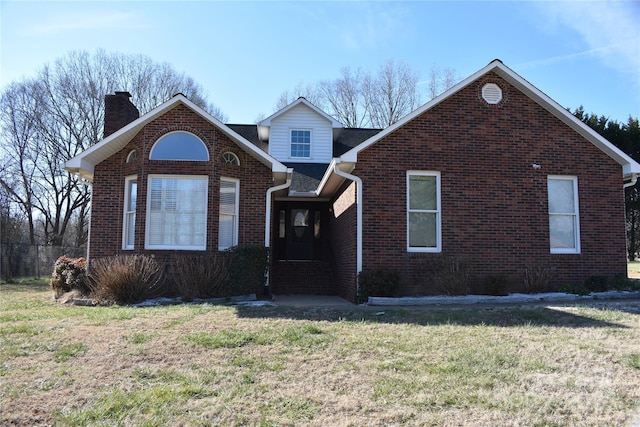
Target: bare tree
363	99
392	93
310	92
344	96
46	120
441	79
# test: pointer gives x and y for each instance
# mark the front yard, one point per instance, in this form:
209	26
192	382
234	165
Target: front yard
195	365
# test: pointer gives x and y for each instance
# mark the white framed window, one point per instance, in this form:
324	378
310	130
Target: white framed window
230	158
423	212
176	212
129	220
132	156
300	143
564	218
228	218
179	146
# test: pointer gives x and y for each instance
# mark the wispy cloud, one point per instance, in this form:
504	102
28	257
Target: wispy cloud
84	22
611	31
564	58
357	26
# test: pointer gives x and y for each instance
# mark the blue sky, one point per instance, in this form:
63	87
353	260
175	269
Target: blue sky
245	54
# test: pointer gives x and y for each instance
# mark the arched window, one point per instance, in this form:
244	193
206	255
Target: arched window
179	146
132	156
230	158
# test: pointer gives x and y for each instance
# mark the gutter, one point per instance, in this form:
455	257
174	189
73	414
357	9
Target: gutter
358	181
270	191
634	179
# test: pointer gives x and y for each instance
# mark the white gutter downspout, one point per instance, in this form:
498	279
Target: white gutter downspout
267	216
358	182
634	179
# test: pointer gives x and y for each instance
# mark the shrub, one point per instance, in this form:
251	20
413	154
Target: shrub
537	279
622	283
597	283
449	275
574	289
247	269
69	274
497	285
125	279
379	283
200	276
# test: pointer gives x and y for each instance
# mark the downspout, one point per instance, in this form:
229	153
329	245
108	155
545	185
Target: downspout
267	216
634	179
358	181
267	224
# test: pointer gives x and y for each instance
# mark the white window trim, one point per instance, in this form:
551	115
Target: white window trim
148	214
310	143
236	221
151	153
576	215
126	213
230	158
438	211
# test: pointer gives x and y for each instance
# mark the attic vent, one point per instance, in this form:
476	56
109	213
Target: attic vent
491	93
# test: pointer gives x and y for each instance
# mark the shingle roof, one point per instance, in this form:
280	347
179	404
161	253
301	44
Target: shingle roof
347	138
306	176
250	133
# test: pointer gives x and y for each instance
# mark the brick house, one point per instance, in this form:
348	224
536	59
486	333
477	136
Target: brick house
493	171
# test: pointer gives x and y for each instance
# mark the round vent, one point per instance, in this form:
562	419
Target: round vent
491	93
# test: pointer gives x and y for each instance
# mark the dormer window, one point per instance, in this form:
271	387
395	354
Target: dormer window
300	143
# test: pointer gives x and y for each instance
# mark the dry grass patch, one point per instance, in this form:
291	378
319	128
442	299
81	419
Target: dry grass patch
263	366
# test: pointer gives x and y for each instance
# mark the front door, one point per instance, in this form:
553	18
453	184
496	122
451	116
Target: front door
300	231
300	234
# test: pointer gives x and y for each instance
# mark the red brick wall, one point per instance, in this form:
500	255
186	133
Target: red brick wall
109	181
494	203
342	240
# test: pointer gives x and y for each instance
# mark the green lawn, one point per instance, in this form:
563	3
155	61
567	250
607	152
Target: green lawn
633	267
275	366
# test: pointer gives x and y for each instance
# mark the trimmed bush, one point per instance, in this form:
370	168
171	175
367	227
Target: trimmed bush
497	285
378	283
125	279
200	276
69	274
622	283
247	269
597	283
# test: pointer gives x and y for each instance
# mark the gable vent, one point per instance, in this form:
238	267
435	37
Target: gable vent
491	93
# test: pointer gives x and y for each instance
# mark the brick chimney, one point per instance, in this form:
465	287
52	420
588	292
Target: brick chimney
119	111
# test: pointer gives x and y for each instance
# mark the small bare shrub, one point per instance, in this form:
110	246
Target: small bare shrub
537	279
444	275
200	276
453	276
125	279
69	274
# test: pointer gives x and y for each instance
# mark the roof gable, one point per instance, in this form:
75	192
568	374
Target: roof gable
84	163
629	166
300	101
